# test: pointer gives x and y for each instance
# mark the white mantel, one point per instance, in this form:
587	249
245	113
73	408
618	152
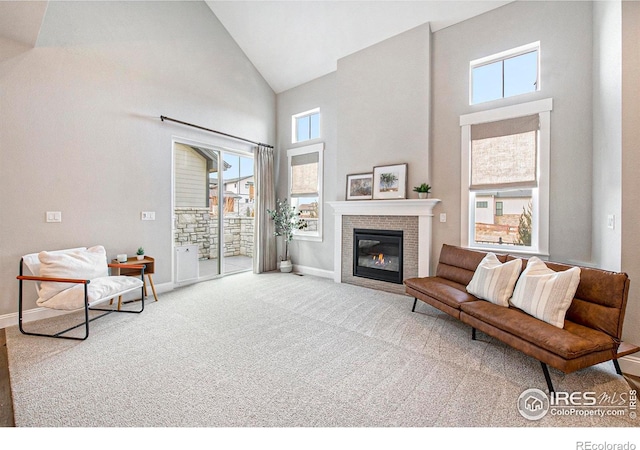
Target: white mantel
421	208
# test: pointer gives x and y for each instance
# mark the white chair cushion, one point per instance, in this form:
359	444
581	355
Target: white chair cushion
545	293
493	280
99	290
82	264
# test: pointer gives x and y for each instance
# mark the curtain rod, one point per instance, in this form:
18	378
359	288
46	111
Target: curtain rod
163	118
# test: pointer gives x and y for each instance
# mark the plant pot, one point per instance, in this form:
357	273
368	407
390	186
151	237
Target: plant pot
139	257
286	266
423	194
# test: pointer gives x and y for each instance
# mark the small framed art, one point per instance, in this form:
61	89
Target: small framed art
359	186
390	182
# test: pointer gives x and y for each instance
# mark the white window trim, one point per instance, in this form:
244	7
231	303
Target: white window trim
501	57
313	148
294	129
541	201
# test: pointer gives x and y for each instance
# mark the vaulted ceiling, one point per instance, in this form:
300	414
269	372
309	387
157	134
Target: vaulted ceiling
289	42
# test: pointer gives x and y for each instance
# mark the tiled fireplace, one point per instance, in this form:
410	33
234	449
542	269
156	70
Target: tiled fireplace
410	217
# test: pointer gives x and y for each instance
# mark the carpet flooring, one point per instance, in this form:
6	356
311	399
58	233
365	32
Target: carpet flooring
280	350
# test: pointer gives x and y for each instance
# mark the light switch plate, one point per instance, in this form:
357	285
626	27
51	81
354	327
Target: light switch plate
148	215
53	216
611	221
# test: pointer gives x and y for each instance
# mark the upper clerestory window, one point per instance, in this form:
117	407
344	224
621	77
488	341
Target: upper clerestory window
505	74
305	126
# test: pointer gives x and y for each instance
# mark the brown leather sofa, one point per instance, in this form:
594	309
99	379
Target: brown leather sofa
592	328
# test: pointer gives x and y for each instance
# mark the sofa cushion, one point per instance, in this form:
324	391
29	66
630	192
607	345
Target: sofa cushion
81	264
571	342
446	291
98	290
545	293
494	281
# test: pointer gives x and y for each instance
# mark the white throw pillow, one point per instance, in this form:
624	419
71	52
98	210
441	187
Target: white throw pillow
545	293
493	280
77	264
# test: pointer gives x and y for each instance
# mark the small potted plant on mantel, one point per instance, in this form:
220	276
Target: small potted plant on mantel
140	254
286	221
422	190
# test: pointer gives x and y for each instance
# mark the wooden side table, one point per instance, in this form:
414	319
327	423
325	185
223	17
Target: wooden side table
150	264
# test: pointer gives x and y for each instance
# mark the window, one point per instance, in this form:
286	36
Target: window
305	188
505	178
305	126
505	74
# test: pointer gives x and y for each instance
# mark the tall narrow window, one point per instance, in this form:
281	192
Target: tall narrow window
305	126
505	74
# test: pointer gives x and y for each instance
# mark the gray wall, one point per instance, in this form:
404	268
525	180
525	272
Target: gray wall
564	30
383	108
80	130
630	164
607	133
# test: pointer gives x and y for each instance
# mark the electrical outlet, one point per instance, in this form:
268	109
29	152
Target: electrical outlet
443	217
53	216
148	215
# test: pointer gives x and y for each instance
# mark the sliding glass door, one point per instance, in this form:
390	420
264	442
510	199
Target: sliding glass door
214	208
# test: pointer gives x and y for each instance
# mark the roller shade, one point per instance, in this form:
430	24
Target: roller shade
504	153
304	175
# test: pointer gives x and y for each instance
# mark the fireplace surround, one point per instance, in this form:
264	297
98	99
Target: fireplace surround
413	216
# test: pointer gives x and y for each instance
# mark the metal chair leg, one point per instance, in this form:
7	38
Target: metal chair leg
547	377
616	364
415	301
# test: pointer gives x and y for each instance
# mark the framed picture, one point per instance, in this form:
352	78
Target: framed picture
359	186
390	182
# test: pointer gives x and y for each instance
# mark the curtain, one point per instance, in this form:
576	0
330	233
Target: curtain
265	251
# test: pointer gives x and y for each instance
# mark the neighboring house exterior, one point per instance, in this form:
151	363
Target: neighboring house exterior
498	216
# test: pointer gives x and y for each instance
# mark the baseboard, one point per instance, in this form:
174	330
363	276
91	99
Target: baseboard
29	315
305	270
10	320
630	365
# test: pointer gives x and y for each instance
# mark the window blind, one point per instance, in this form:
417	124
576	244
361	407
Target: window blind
504	153
304	175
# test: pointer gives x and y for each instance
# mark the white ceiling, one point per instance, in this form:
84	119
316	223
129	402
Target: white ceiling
295	41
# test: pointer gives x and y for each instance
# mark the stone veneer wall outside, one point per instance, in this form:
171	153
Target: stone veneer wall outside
198	226
193	226
238	236
407	224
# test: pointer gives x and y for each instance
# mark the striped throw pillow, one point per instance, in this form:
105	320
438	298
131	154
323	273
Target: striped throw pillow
493	280
545	293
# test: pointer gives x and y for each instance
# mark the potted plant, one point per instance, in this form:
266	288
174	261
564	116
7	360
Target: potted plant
140	253
286	219
422	190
